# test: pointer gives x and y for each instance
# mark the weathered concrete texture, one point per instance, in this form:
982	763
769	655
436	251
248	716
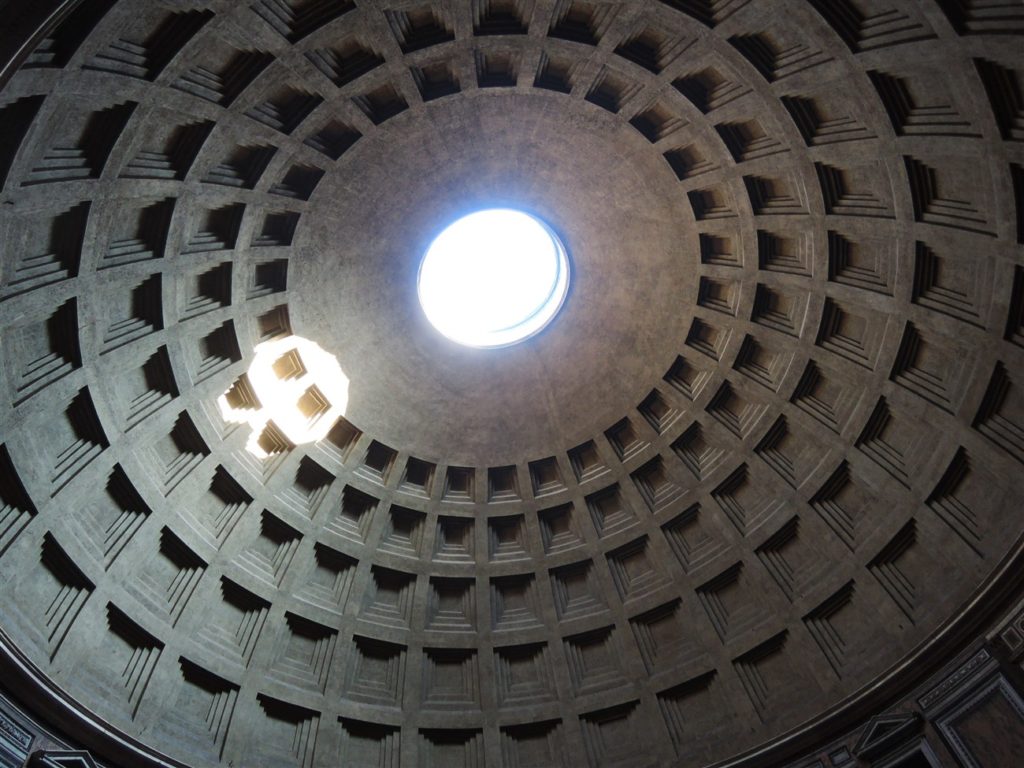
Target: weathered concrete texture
768	449
633	256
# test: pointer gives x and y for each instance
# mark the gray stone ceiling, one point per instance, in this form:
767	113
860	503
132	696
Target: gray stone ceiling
768	452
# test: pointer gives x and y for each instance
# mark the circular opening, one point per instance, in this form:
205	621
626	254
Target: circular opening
493	278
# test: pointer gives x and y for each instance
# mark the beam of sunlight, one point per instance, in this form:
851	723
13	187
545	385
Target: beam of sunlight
294	388
493	278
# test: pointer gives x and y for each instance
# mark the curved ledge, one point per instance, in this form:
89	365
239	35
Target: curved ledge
38	694
985	608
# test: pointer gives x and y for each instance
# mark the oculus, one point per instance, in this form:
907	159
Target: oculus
493	278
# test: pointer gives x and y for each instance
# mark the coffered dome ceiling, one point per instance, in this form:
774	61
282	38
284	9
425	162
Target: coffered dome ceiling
761	463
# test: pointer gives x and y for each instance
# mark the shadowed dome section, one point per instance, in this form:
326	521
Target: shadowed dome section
493	278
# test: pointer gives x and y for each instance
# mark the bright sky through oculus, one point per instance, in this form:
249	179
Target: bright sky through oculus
493	278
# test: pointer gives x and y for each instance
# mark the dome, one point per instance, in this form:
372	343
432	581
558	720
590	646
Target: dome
757	477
